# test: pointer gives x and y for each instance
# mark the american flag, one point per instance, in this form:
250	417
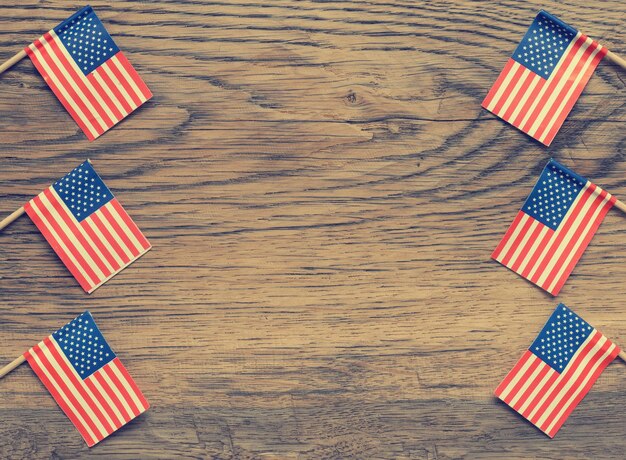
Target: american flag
87	227
544	77
554	227
89	74
557	371
86	379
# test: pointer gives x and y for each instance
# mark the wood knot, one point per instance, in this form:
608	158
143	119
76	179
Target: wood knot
351	97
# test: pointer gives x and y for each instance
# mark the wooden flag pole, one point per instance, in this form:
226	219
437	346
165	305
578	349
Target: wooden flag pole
618	204
614	58
14	60
14	215
622	354
12	365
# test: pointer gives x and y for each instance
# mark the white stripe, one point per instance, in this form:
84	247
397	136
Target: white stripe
58	241
127	231
517	377
105	87
533	249
93	113
113	388
580	387
61	87
570	232
565	100
52	379
527	235
524	99
503	86
555	93
547	82
129	79
555	235
126	385
514	92
72	388
92	90
512	237
106	68
590	222
556	383
554	402
70	235
109	401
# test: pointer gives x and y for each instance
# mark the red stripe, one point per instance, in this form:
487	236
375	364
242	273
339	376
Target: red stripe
147	94
66	85
529	243
540	394
68	394
70	221
578	231
37	220
95	218
523	379
113	86
130	223
132	384
78	385
68	244
554	80
104	384
58	399
122	80
607	206
103	402
507	235
528	104
562	230
97	239
517	241
574	97
565	377
79	78
104	210
498	83
110	103
566	87
509	89
511	375
577	383
584	392
122	389
519	95
55	89
538	251
531	387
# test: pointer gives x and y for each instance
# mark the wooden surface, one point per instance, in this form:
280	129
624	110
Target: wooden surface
323	192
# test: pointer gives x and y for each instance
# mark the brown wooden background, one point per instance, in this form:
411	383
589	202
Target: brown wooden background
323	192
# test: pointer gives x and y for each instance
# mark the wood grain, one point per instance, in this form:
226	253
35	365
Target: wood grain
323	192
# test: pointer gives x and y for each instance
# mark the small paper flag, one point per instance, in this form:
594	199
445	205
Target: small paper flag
89	74
87	379
87	227
557	371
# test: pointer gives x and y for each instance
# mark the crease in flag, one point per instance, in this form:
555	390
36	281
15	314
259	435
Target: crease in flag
87	379
554	227
544	77
88	73
557	371
87	227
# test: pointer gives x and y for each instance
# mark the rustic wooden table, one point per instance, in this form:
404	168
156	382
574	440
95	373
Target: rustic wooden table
323	192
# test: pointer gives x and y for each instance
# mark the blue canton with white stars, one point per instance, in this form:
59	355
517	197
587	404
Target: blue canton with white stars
86	39
553	194
560	338
84	346
544	44
82	191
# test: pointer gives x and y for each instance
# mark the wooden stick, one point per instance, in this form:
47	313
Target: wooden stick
622	354
14	215
614	58
14	60
12	365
